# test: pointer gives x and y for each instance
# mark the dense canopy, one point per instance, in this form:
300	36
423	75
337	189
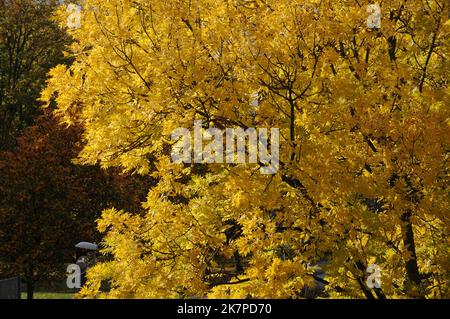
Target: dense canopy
363	114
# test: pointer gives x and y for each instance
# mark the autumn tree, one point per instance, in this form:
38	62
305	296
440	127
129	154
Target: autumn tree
48	204
30	44
364	119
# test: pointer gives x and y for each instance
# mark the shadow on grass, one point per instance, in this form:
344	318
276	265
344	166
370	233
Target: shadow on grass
50	295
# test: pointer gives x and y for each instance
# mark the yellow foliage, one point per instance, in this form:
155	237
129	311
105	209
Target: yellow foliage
364	122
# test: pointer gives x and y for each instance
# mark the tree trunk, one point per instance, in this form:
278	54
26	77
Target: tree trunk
29	279
412	270
30	290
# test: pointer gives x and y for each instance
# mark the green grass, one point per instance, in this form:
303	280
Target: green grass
49	295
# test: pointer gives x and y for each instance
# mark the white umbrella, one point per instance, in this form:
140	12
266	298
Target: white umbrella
86	245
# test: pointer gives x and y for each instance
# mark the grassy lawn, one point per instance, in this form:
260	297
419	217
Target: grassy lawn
49	295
